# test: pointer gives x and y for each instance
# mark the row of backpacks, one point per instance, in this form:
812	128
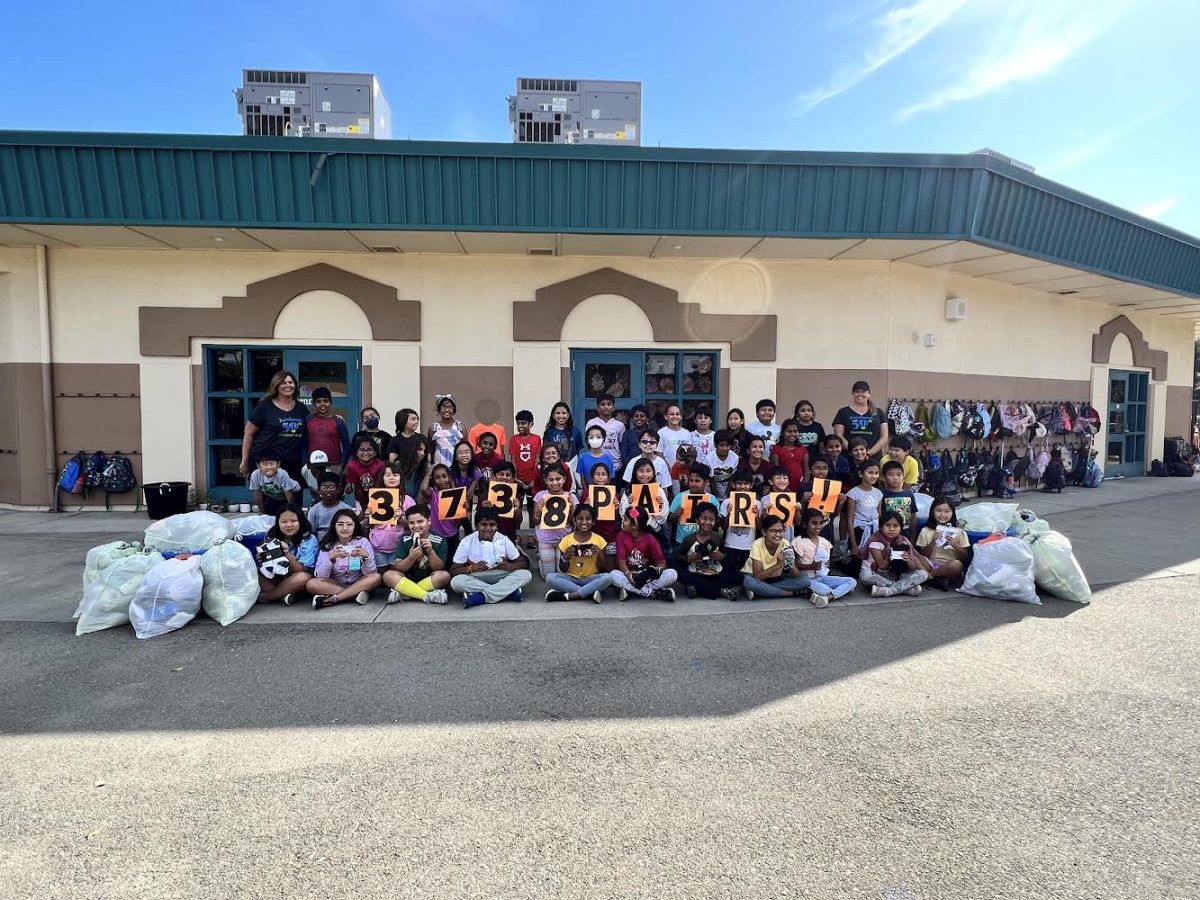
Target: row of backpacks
952	473
979	420
111	473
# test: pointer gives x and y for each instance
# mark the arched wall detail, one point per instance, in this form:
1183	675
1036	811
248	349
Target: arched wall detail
750	337
1143	356
168	331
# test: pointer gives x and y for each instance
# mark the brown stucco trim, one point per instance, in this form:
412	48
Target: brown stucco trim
1179	414
474	388
1143	356
167	331
750	337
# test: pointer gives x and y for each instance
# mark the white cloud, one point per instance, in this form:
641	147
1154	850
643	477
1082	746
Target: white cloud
1021	40
1089	148
1157	208
898	31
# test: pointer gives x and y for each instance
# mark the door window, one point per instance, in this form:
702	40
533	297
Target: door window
655	378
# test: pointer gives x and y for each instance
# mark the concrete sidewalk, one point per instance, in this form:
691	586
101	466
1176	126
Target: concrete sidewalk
1152	535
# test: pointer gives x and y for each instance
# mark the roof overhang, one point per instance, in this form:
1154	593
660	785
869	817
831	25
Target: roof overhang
967	213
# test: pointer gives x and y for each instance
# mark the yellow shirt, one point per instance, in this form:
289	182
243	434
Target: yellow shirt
912	472
583	566
759	551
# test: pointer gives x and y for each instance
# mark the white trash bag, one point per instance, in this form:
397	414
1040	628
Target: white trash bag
169	597
248	525
100	558
230	581
1028	524
106	601
991	517
1002	570
924	504
192	532
1055	568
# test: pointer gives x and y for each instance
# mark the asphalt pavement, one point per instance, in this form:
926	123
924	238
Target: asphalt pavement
939	747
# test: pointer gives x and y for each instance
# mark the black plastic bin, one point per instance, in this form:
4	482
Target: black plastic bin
167	498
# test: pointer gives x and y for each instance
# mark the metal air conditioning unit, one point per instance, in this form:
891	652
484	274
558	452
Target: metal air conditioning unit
289	103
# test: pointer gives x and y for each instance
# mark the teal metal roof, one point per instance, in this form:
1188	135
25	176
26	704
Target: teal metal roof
250	182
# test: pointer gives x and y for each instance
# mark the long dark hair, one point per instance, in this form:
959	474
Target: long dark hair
456	470
305	526
330	538
931	522
570	426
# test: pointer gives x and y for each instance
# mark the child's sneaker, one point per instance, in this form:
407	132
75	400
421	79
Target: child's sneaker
363	598
820	601
624	595
473	599
666	594
394	596
555	596
287	600
879	591
597	598
691	592
437	595
320	601
914	591
515	597
749	594
729	593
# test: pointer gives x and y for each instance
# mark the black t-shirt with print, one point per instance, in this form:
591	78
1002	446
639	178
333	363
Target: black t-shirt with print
860	425
812	434
280	433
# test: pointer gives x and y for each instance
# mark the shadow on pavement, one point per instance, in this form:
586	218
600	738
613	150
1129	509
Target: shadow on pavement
206	677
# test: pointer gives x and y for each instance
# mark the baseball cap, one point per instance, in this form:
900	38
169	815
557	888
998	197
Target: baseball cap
318	458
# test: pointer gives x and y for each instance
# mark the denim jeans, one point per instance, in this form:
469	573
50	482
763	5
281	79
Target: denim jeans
578	587
776	587
835	586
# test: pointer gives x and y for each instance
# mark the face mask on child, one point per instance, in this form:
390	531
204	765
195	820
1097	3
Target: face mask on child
371	421
595	442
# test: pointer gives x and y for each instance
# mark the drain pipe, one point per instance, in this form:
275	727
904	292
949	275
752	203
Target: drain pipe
43	294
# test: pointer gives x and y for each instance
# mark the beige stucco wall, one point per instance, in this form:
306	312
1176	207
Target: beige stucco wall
832	315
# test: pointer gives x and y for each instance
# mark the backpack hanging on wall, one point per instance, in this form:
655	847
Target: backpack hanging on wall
958	414
73	477
117	476
924	417
898	416
941	420
95	468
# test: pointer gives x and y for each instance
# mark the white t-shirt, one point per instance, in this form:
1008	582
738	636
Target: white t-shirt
769	432
722	470
662	474
866	506
704	443
736	538
492	552
614	430
669	442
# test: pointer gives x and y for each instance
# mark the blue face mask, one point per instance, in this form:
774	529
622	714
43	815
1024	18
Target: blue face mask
371	422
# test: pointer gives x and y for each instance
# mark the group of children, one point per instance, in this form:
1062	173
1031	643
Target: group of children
634	507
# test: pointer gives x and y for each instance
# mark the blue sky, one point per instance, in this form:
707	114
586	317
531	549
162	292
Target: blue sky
1098	94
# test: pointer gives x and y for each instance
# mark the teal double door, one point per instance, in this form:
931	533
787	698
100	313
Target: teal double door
236	378
1128	402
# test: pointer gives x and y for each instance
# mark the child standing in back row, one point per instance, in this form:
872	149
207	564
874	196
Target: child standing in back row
327	431
764	425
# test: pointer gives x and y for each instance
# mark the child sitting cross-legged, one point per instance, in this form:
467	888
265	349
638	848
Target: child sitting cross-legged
582	563
771	569
419	571
704	569
287	556
488	567
641	566
346	567
891	565
812	556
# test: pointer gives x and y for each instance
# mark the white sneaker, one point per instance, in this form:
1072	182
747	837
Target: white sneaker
394	596
820	601
749	594
624	595
596	598
878	591
914	591
363	598
437	596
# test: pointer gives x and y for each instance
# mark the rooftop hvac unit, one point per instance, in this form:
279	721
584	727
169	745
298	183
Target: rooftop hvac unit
306	104
572	111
